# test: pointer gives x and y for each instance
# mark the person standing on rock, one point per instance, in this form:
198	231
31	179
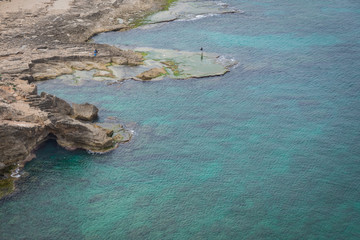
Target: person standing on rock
95	52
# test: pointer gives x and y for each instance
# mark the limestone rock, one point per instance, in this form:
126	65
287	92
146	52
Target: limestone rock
104	74
51	103
19	139
86	111
118	60
133	58
109	132
43	71
21	112
25	87
42	43
32	119
2	166
73	134
6	96
79	65
122	136
151	74
118	132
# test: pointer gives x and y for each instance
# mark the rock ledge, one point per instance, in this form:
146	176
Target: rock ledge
40	42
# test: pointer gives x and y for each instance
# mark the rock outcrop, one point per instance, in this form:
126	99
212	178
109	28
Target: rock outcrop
151	74
86	111
28	119
39	42
31	119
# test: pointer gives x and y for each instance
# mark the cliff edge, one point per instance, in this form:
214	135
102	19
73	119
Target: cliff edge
44	40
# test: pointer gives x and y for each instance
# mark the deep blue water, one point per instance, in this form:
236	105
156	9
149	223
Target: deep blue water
271	150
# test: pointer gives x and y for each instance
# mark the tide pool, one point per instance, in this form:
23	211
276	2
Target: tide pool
270	150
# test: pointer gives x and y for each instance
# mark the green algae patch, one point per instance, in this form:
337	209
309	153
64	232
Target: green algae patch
184	65
119	133
174	67
168	4
143	54
145	20
187	9
157	64
7	181
7	186
184	10
139	22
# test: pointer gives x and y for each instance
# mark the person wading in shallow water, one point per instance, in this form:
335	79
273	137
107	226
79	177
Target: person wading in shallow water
95	52
202	54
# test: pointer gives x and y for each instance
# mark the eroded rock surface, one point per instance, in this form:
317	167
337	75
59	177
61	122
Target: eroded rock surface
44	40
32	119
190	9
151	74
86	111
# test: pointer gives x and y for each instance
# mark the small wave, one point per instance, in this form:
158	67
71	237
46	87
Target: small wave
231	9
16	173
222	4
95	153
227	62
154	25
197	17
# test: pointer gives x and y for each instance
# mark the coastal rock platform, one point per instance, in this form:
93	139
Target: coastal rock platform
52	38
44	40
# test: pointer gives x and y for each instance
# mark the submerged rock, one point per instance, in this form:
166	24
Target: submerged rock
184	65
43	69
118	132
106	74
160	63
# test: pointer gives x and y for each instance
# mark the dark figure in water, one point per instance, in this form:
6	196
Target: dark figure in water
202	54
95	52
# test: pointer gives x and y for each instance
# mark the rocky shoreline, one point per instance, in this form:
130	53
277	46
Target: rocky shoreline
43	41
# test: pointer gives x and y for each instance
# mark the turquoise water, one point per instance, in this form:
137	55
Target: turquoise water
271	150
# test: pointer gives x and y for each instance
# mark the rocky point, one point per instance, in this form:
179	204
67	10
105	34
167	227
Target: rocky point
45	40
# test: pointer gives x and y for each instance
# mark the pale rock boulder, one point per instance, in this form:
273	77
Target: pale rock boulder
86	111
151	74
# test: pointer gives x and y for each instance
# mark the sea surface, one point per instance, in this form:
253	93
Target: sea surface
271	150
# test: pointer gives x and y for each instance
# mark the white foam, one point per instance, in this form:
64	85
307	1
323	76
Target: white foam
197	17
227	62
15	173
95	153
222	4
